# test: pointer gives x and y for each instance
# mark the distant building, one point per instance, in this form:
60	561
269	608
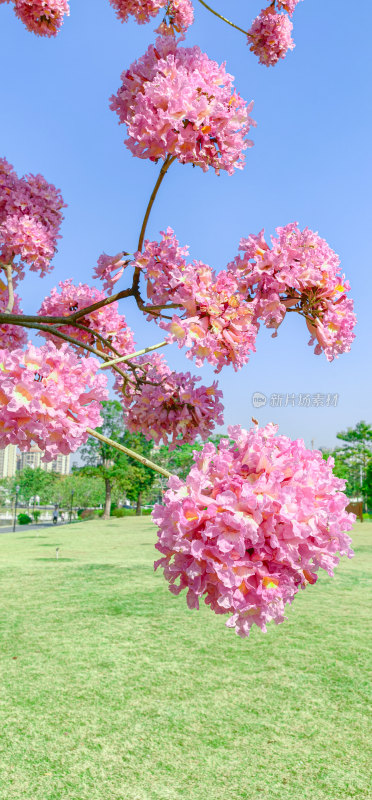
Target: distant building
32	459
61	464
8	461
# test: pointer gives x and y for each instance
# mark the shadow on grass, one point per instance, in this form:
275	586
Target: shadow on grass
55	559
35	536
95	567
55	544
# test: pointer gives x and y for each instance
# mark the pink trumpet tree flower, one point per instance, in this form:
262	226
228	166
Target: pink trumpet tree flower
301	273
43	17
169	405
105	321
177	102
11	336
215	322
270	37
30	219
49	396
110	269
179	12
254	522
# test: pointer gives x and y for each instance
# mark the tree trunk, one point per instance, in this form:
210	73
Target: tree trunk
138	509
106	513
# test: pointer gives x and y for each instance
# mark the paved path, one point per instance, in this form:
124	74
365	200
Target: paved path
9	528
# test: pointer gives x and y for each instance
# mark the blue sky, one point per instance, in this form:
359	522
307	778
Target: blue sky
311	162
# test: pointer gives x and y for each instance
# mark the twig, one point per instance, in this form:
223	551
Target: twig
133	355
167	163
145	461
223	18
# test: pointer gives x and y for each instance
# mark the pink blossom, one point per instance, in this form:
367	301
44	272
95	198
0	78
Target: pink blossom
179	12
106	266
253	523
287	5
30	218
270	37
216	323
170	406
300	273
141	10
43	17
49	396
176	102
11	336
105	321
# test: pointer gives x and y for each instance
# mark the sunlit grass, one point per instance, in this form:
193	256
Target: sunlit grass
111	689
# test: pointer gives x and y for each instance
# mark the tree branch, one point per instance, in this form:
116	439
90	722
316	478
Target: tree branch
167	163
145	461
224	19
133	355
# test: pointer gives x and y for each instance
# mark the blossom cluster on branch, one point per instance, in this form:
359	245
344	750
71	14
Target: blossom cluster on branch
221	313
253	523
43	17
269	36
50	396
177	102
179	14
103	328
168	405
30	219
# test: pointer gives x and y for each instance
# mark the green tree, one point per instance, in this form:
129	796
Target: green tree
102	460
180	460
80	490
137	479
35	482
368	486
356	455
353	459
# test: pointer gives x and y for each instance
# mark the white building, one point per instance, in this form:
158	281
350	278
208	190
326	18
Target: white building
32	459
8	461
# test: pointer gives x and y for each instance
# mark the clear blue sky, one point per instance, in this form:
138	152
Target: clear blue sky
311	162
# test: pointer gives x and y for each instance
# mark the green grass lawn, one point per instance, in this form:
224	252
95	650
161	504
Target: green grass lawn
111	689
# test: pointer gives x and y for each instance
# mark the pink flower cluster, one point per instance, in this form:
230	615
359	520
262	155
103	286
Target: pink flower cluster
180	12
43	17
30	218
50	396
170	406
176	102
252	524
300	273
218	324
109	269
269	36
105	321
11	336
287	5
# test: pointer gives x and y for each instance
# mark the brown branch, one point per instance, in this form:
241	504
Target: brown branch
167	163
224	19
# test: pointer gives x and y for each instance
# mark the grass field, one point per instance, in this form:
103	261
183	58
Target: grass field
111	689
